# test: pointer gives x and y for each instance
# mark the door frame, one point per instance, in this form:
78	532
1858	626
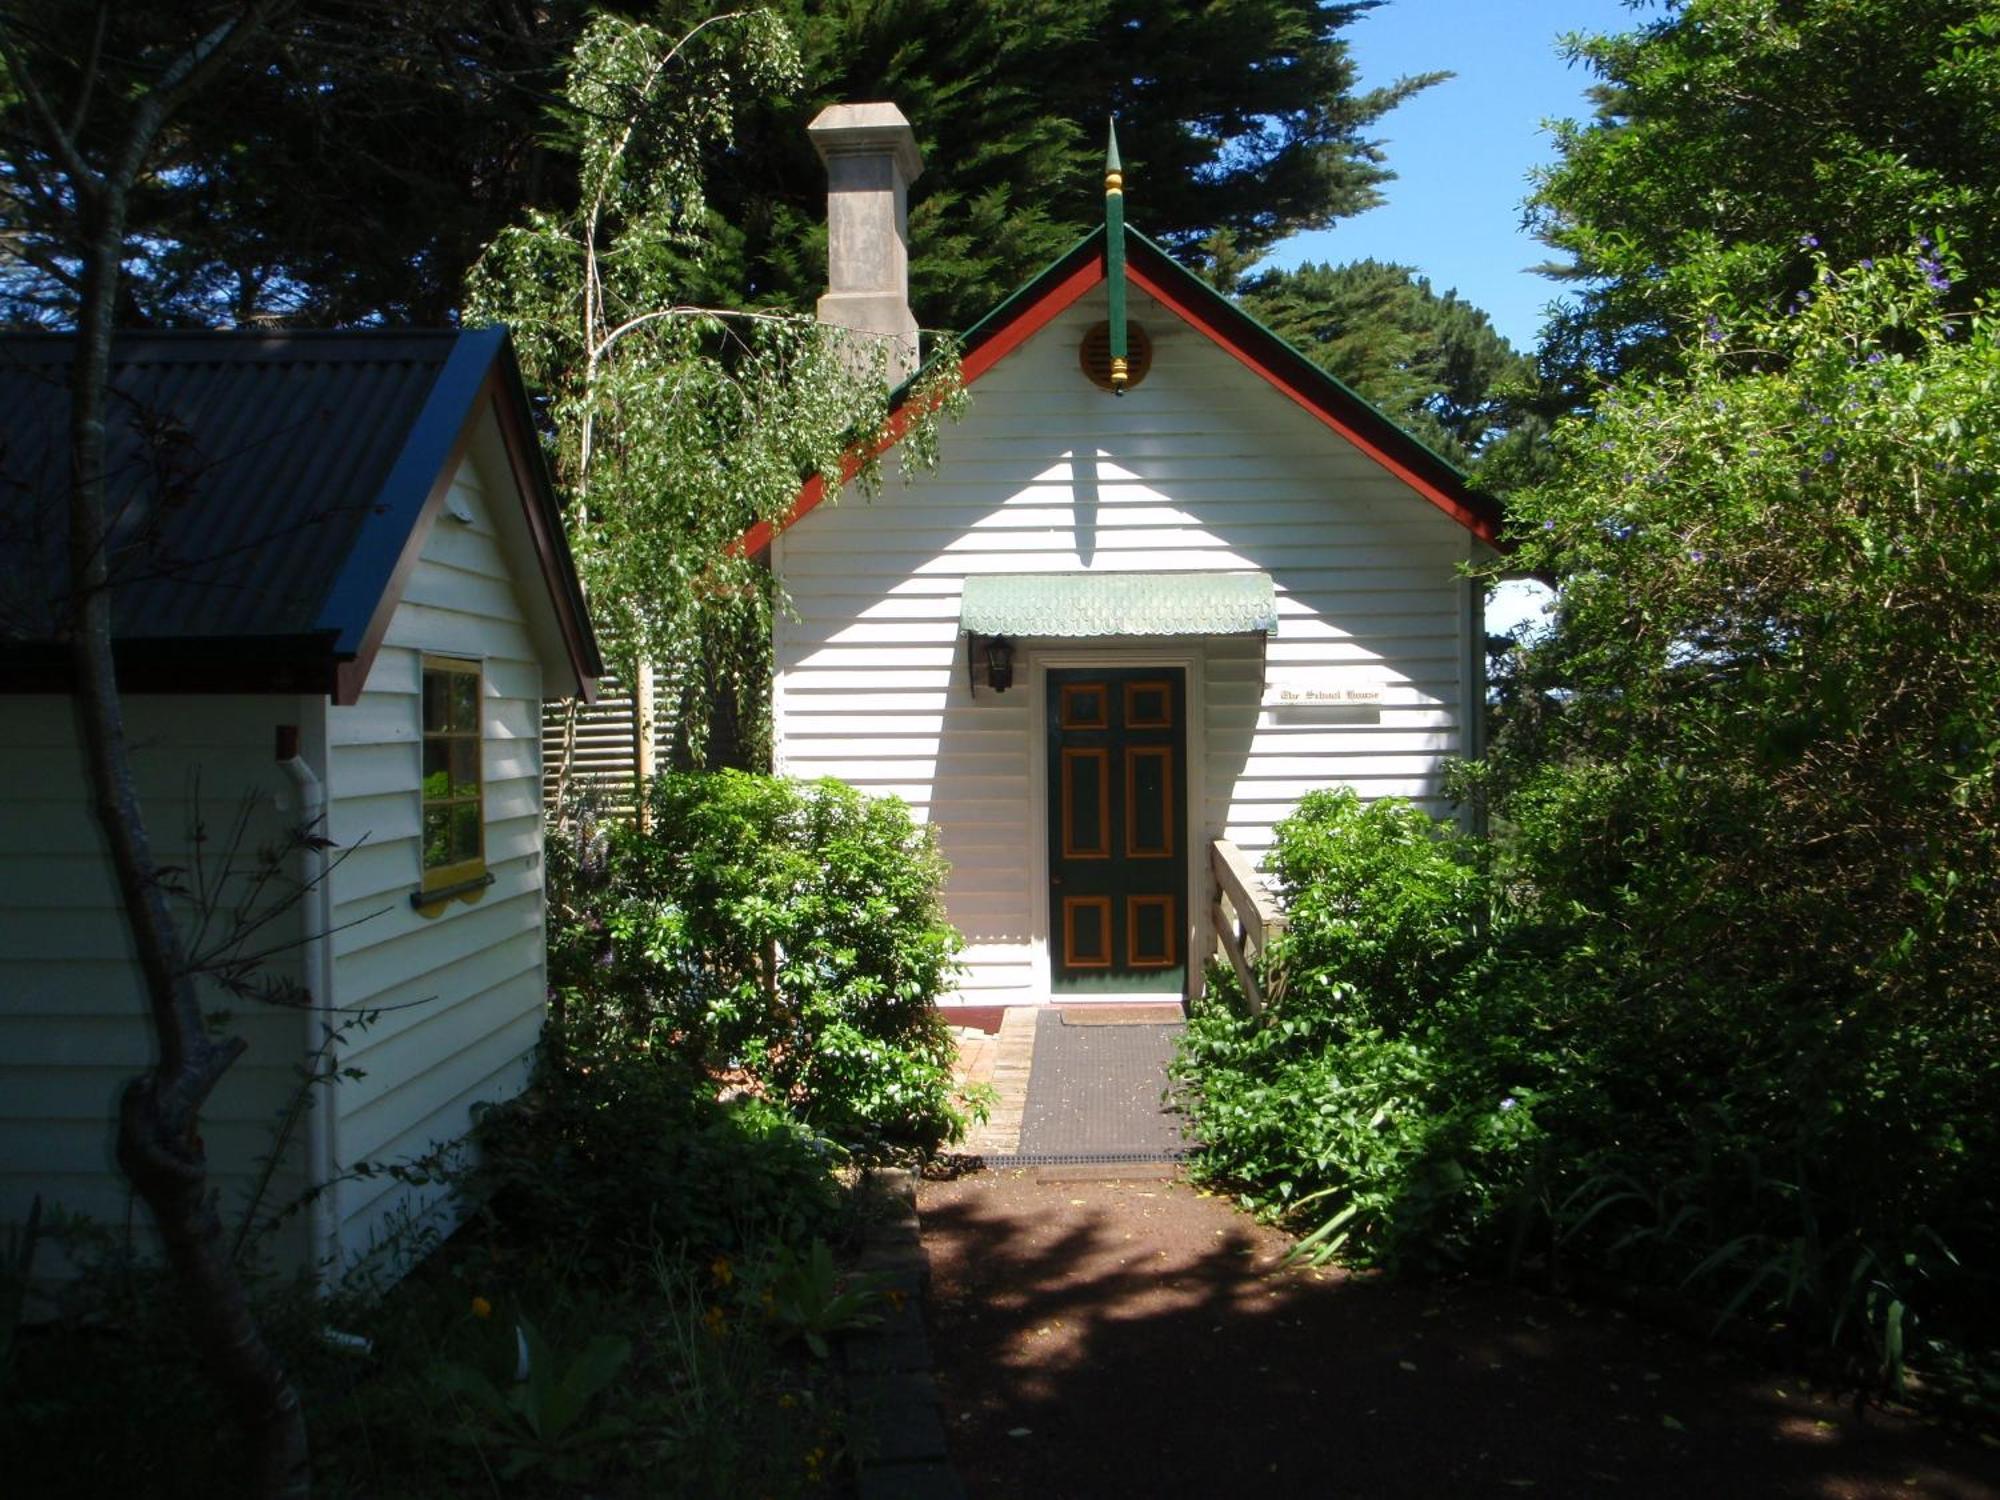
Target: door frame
1190	659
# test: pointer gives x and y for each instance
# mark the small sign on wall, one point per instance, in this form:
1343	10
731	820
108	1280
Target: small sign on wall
1323	690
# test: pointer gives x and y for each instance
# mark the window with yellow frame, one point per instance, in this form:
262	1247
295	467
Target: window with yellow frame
454	822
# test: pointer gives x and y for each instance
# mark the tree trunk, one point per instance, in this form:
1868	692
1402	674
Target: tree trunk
159	1145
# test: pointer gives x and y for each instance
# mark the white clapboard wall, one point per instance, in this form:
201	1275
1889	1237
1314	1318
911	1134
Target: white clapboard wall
1203	468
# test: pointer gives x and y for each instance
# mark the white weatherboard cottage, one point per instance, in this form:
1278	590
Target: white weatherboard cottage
1114	635
342	589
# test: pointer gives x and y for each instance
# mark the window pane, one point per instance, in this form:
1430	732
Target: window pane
464	767
465	700
437	837
464	832
437	770
436	694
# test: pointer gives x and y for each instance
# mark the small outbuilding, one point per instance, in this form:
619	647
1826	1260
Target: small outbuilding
1168	577
341	597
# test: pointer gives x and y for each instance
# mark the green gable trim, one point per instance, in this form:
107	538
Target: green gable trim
1097	605
1200	289
1082	267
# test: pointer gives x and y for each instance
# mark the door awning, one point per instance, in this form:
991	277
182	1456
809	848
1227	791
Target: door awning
1119	604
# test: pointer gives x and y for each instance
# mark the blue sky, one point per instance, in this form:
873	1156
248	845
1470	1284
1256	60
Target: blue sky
1461	150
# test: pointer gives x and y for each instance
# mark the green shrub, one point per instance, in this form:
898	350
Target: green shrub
1754	777
790	933
1462	1072
1739	974
1387	1092
1382	904
611	1156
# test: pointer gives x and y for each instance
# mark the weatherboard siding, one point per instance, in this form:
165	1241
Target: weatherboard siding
456	998
1203	468
73	1024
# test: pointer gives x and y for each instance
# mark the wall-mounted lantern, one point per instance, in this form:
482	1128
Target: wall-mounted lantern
997	654
999	663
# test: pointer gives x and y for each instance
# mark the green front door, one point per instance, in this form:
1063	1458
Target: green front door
1117	830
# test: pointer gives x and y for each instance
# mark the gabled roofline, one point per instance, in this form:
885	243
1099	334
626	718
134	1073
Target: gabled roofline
1321	395
479	376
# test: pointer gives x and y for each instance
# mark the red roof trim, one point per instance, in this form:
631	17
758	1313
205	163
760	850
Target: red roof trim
1236	335
1004	340
1484	527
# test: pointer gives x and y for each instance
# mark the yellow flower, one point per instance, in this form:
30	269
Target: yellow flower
787	1401
716	1320
481	1308
721	1270
895	1296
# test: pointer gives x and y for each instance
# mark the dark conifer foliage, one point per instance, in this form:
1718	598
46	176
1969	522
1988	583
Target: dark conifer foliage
354	175
348	172
1237	118
1432	362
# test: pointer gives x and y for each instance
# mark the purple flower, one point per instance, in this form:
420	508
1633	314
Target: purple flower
1934	273
1697	556
1867	265
1828	456
1809	242
1509	1102
1875	358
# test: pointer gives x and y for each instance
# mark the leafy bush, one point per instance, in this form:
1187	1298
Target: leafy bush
1717	1008
610	1156
790	933
1382	1090
1379	899
1755	777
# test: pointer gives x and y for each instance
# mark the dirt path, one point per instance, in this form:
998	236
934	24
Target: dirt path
1128	1338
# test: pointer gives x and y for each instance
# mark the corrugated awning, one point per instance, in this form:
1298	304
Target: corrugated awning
1116	604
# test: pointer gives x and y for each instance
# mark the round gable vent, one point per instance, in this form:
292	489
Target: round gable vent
1094	354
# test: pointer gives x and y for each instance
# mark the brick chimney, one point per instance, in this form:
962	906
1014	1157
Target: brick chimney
871	159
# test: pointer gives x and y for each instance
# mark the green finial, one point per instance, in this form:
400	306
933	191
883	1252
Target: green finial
1114	259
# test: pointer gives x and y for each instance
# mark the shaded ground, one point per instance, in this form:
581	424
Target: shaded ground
1111	1338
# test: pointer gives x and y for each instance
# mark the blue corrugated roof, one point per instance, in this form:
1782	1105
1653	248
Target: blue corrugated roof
242	469
262	486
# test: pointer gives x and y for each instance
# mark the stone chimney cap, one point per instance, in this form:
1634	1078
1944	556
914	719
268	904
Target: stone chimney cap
853	129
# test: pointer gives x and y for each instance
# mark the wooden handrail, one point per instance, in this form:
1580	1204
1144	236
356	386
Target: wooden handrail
1255	907
1247	920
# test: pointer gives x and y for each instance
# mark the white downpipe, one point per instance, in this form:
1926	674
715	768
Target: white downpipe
322	1128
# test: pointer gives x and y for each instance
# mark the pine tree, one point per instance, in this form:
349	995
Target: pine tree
1239	118
1433	363
356	182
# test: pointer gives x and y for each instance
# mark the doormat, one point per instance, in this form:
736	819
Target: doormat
1018	1161
1165	1014
1100	1090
